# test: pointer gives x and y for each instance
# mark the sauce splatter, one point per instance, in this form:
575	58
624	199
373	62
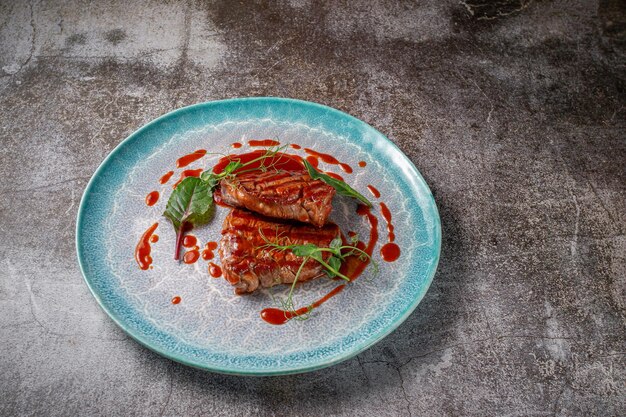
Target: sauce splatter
207	253
335	176
176	300
188	173
295	146
154	238
143	249
183	161
214	270
152	198
353	267
190	241
329	159
374	191
165	178
387	215
313	161
263	142
390	252
191	256
277	316
237	145
362	164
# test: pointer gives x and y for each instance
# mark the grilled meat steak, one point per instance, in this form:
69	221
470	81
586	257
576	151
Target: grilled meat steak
247	265
291	195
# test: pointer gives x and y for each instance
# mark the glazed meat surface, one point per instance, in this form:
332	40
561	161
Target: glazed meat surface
291	195
247	265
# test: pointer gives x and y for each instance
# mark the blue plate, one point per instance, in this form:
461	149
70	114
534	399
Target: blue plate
211	328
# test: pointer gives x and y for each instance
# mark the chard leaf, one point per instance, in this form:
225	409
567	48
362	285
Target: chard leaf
191	203
341	187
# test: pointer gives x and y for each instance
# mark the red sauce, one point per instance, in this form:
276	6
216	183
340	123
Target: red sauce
188	173
165	178
191	256
154	238
353	266
294	146
329	159
277	316
387	215
183	161
190	241
313	161
280	161
335	176
237	145
264	142
374	191
152	198
207	253
362	164
390	252
176	300
214	270
142	251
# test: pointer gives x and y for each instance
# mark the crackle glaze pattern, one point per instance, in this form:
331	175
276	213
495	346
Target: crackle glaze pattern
212	328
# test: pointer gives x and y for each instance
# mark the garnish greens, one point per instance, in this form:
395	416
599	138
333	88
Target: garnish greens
341	187
191	203
339	253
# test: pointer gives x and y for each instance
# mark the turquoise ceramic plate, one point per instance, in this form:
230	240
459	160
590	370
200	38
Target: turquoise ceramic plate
211	328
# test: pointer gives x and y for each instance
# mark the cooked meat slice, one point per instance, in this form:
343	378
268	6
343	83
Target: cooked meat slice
248	265
291	195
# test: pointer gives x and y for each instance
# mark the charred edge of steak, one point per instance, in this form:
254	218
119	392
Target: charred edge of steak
289	195
247	266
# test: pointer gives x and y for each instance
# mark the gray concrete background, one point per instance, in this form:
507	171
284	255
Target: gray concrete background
514	111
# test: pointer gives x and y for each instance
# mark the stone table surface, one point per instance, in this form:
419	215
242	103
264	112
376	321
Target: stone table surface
514	112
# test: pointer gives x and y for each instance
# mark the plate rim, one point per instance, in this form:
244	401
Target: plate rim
223	370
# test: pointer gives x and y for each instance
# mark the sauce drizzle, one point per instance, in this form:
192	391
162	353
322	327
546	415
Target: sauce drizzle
190	241
390	252
374	191
188	173
277	316
387	215
152	198
183	161
335	176
295	146
237	145
165	178
176	300
263	142
279	161
313	161
329	159
214	270
362	164
191	256
143	249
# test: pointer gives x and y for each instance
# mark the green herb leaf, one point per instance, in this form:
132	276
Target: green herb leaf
335	264
341	187
304	250
335	243
191	203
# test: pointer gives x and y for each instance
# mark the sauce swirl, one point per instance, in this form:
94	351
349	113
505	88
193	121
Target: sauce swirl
143	248
183	161
165	178
329	159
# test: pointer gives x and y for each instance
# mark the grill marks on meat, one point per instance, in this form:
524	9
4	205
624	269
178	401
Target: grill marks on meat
247	266
290	195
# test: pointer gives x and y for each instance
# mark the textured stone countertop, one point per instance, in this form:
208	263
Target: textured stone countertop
515	113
